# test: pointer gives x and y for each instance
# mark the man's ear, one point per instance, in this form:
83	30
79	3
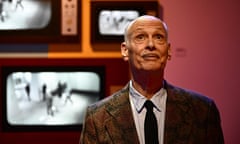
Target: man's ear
124	51
169	51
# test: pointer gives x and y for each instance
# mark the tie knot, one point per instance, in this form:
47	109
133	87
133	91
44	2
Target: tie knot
149	105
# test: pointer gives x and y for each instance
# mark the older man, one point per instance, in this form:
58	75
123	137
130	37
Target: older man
176	115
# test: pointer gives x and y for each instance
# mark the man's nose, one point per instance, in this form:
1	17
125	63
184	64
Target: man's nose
150	44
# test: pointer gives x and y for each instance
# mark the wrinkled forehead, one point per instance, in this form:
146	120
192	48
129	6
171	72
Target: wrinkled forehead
146	22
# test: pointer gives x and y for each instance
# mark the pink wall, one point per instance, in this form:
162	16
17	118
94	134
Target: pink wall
205	36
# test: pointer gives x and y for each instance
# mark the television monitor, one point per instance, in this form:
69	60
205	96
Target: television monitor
39	21
44	98
109	19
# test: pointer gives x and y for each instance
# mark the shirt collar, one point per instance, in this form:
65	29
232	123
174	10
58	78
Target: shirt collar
139	100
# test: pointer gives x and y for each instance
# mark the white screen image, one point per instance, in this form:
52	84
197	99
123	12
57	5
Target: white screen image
113	22
24	14
50	98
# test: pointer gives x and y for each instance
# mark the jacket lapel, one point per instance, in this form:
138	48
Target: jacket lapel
178	120
120	122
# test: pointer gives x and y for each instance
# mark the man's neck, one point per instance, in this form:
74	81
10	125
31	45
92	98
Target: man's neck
148	84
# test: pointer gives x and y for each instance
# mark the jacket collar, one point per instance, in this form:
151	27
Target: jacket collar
178	121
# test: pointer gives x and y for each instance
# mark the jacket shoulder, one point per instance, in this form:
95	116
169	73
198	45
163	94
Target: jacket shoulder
110	101
182	93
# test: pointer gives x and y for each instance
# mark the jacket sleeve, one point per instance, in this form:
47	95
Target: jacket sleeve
214	130
88	134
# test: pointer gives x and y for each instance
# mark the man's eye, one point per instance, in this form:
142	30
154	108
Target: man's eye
140	37
159	37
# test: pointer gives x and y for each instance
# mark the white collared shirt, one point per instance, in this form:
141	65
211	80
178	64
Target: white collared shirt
137	104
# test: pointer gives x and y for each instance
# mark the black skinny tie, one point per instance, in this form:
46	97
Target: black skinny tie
150	125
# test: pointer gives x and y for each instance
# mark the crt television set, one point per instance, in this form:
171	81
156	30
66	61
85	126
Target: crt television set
109	18
40	98
39	21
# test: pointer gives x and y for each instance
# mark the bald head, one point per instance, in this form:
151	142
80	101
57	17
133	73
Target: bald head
140	21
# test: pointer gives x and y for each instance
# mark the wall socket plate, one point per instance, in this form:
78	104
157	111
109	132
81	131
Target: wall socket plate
69	17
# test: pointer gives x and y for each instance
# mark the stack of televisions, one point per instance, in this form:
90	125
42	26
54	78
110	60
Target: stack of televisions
53	95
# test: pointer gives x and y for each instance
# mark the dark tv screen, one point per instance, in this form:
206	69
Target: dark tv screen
53	98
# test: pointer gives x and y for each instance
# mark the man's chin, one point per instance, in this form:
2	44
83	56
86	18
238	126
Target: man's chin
152	67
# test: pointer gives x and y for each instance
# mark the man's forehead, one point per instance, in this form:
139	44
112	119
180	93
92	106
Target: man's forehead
146	24
145	20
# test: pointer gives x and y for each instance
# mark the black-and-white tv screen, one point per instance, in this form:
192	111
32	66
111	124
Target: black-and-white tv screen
24	14
113	22
109	18
39	21
45	96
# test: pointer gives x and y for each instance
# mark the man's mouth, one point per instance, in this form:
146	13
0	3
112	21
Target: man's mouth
150	56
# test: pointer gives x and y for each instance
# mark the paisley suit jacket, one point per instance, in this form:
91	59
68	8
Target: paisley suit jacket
191	118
